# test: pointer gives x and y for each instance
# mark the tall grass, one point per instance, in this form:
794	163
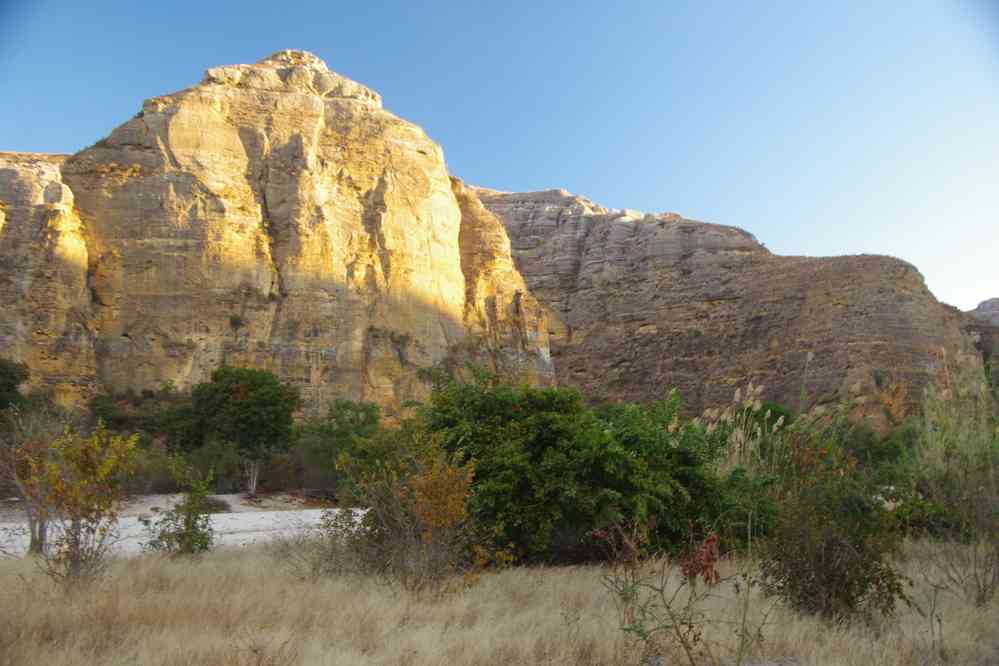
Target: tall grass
241	607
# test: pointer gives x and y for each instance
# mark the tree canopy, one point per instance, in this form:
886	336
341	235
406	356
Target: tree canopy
250	408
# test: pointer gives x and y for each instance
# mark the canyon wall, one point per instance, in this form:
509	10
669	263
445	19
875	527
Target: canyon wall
643	302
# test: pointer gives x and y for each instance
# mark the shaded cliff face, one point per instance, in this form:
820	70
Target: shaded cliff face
987	311
275	215
982	324
643	303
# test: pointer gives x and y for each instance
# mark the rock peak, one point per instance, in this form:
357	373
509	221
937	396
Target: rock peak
292	71
294	58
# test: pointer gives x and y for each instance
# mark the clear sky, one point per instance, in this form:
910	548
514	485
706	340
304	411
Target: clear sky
822	127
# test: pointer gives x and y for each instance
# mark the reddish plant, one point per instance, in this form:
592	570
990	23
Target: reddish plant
701	561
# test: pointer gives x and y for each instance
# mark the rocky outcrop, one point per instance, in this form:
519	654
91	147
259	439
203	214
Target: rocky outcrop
982	324
987	311
643	303
274	215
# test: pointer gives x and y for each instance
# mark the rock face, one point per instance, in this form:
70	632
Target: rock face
982	324
46	317
272	215
987	311
642	303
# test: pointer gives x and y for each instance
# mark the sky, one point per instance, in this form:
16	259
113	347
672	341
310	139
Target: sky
822	128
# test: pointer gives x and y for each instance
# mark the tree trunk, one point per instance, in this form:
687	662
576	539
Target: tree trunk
254	474
38	531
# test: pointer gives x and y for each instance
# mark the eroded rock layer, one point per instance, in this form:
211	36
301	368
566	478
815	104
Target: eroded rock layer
273	215
648	302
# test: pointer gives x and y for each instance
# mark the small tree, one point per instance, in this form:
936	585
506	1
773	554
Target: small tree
79	484
12	375
415	532
323	440
248	408
186	529
27	434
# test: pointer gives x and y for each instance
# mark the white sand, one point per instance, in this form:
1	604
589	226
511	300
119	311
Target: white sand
248	523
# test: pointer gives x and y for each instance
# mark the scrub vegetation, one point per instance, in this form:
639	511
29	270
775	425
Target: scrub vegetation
501	523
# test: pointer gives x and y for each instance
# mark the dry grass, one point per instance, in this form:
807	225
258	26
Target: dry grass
238	607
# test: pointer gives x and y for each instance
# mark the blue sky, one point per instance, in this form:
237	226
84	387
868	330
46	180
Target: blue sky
823	128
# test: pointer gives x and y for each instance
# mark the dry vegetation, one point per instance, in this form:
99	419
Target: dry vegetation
239	607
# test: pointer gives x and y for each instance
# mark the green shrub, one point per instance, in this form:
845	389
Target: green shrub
415	531
919	517
957	478
12	375
186	529
746	509
550	470
830	550
321	441
222	461
829	553
153	470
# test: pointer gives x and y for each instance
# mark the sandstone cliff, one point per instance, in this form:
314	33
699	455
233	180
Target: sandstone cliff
646	302
46	316
272	215
276	215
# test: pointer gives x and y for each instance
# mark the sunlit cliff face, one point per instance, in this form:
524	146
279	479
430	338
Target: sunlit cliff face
275	215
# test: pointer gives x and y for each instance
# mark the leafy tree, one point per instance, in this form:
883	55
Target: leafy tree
27	432
549	470
321	441
12	375
78	485
248	408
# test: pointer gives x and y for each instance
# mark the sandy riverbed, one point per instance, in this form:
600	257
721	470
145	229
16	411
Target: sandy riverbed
248	522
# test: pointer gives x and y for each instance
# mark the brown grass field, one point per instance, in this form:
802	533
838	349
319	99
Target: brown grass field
243	607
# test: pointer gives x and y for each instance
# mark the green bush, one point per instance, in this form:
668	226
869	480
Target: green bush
957	480
829	553
12	375
831	547
919	517
550	470
153	470
320	442
186	529
415	532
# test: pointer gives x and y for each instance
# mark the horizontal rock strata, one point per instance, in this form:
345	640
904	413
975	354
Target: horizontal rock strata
647	302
